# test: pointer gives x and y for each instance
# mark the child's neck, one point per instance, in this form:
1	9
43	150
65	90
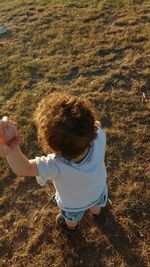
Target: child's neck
82	156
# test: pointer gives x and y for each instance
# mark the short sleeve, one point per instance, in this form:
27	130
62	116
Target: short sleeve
102	137
103	134
47	168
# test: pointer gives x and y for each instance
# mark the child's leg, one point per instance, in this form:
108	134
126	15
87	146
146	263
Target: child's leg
72	218
96	210
71	224
69	220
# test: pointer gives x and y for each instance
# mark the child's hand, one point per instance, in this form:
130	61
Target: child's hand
3	150
6	149
8	130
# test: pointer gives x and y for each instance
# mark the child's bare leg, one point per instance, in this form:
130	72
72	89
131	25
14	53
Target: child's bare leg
71	224
95	210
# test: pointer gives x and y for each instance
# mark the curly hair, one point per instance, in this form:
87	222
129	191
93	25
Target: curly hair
65	124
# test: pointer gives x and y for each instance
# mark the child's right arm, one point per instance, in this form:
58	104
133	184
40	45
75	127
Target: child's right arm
9	147
8	130
9	127
20	164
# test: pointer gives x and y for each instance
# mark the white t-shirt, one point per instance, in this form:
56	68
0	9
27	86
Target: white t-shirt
78	186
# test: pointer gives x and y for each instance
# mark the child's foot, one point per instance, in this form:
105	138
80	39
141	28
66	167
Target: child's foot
60	223
96	215
109	204
53	200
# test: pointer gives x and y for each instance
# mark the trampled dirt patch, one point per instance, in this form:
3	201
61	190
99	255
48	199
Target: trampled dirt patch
98	49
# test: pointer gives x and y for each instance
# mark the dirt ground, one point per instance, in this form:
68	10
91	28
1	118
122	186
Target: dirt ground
100	50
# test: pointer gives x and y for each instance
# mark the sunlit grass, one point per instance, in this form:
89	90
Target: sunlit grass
98	50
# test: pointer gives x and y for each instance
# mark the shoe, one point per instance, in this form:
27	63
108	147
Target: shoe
53	200
109	204
60	223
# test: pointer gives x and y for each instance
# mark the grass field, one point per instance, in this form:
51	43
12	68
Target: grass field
100	50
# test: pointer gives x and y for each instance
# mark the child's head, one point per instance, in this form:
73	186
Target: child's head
66	125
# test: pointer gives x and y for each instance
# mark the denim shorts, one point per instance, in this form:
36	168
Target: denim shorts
77	216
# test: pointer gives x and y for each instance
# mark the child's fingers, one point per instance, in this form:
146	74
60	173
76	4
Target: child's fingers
20	137
16	141
3	124
12	122
6	121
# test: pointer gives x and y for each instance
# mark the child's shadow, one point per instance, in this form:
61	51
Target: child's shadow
78	252
118	239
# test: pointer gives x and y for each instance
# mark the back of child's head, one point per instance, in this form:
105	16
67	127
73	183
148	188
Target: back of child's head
66	125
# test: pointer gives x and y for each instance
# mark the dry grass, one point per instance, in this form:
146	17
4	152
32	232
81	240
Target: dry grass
99	49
